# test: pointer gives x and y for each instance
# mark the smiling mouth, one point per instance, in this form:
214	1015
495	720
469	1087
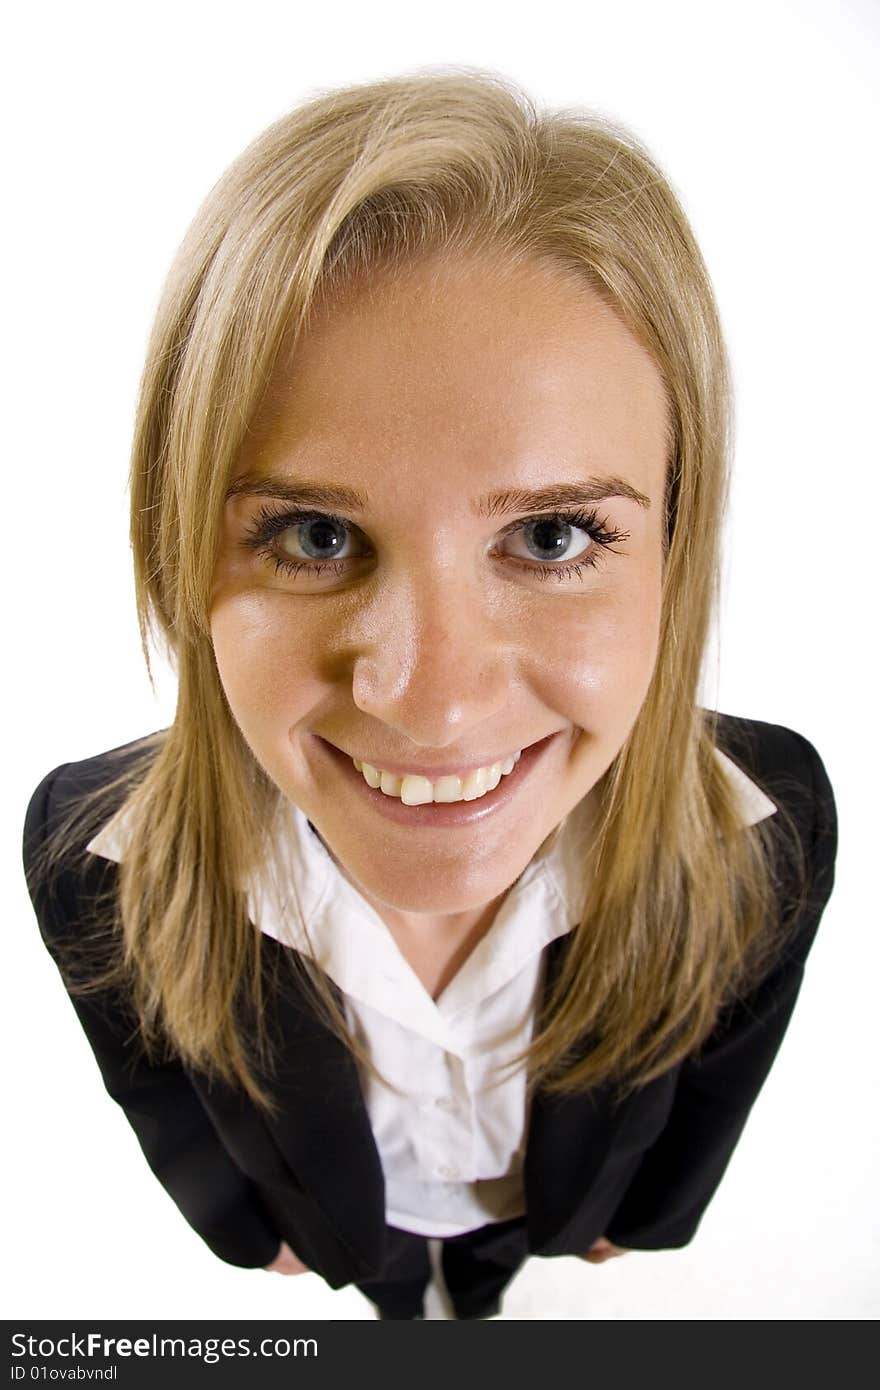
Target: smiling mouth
453	800
413	789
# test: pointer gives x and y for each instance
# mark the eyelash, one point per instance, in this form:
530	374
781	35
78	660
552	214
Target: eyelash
269	524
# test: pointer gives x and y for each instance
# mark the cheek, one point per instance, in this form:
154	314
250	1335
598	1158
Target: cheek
602	662
268	679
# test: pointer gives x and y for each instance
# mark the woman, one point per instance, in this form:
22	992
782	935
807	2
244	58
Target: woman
427	484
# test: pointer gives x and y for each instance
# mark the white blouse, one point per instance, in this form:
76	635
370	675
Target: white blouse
452	1137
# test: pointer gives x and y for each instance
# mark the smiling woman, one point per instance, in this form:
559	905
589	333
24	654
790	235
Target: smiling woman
442	911
412	646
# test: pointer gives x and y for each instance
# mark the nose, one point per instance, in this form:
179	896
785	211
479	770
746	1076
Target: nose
434	664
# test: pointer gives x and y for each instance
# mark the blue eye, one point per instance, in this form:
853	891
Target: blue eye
317	544
301	542
322	538
554	537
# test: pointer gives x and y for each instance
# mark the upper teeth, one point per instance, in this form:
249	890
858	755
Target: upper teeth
415	790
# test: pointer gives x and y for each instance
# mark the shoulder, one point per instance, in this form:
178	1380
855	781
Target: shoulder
73	891
789	769
783	762
66	809
69	785
770	751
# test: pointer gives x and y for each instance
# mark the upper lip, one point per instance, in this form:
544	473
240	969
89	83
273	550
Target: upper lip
432	772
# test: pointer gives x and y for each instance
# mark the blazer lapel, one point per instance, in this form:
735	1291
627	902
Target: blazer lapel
321	1125
314	1154
568	1140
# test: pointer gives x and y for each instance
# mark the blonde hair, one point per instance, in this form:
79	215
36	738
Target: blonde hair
681	909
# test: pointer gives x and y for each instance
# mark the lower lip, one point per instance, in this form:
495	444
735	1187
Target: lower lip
440	814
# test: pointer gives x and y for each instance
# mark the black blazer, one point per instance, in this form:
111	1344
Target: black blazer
640	1172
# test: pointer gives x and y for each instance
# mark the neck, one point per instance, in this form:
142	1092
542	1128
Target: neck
446	927
437	946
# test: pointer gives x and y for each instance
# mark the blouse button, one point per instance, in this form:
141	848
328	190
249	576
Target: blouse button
446	1170
444	1103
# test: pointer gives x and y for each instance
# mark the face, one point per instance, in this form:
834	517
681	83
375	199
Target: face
442	548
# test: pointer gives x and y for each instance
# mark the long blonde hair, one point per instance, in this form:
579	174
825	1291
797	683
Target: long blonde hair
680	912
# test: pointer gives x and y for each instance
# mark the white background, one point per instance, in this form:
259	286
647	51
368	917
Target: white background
118	121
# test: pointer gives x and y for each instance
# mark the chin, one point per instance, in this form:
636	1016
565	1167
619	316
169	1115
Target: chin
441	894
440	904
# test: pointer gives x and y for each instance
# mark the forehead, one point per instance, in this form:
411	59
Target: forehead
451	368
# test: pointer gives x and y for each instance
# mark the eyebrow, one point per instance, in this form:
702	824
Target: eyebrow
503	503
557	496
